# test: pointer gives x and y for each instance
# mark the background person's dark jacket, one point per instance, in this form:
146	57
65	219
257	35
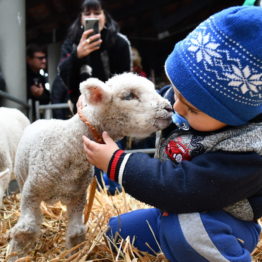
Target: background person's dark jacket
102	63
34	78
59	94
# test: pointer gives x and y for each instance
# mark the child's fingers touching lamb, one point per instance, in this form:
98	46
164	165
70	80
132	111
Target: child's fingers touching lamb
108	140
100	154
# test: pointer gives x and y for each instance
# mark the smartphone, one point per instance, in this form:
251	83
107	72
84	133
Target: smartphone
92	23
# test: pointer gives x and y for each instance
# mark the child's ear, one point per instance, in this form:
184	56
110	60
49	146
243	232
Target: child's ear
95	91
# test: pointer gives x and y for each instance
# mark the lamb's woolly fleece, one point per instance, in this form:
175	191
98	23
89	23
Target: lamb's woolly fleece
12	124
51	164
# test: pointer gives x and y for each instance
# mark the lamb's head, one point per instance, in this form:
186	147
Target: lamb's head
126	105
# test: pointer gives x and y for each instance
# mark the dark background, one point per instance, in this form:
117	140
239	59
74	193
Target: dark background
153	27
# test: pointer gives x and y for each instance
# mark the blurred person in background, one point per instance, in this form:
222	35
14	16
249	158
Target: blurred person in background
36	80
59	94
85	55
137	62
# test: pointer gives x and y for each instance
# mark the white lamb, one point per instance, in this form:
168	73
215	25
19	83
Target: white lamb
51	164
12	125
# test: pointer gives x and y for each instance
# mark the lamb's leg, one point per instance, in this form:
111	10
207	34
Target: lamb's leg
23	235
76	229
4	180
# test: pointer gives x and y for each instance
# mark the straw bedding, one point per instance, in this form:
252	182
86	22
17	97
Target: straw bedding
51	245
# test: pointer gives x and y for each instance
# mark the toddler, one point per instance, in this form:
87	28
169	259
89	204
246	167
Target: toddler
206	183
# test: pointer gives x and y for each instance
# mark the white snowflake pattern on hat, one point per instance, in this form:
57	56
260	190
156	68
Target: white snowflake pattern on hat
245	80
204	48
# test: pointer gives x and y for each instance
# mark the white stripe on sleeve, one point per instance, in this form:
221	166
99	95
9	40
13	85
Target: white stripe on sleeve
122	168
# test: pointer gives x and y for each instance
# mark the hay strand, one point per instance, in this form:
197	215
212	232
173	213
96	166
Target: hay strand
51	245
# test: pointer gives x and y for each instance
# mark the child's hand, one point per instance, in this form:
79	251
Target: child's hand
100	154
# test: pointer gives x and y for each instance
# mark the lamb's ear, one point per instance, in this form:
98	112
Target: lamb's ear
95	91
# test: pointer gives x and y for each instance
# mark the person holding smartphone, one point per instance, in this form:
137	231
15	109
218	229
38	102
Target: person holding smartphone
86	53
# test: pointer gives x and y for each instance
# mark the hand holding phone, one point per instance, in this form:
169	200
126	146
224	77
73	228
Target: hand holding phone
92	23
88	42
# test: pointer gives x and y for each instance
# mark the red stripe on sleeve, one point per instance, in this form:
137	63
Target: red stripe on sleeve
113	170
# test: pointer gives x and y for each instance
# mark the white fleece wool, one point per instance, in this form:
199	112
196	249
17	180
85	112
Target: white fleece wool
12	124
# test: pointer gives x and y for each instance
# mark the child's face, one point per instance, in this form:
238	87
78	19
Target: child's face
197	119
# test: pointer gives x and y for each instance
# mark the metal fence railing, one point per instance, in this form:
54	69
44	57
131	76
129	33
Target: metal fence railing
26	106
47	109
14	99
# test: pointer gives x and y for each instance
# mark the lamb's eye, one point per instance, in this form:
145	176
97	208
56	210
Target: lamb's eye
130	96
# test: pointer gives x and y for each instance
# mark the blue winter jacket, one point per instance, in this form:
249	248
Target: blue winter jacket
208	180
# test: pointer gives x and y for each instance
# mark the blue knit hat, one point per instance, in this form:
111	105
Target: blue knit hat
218	66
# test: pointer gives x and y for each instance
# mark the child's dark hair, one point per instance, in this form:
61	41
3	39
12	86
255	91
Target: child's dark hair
75	31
